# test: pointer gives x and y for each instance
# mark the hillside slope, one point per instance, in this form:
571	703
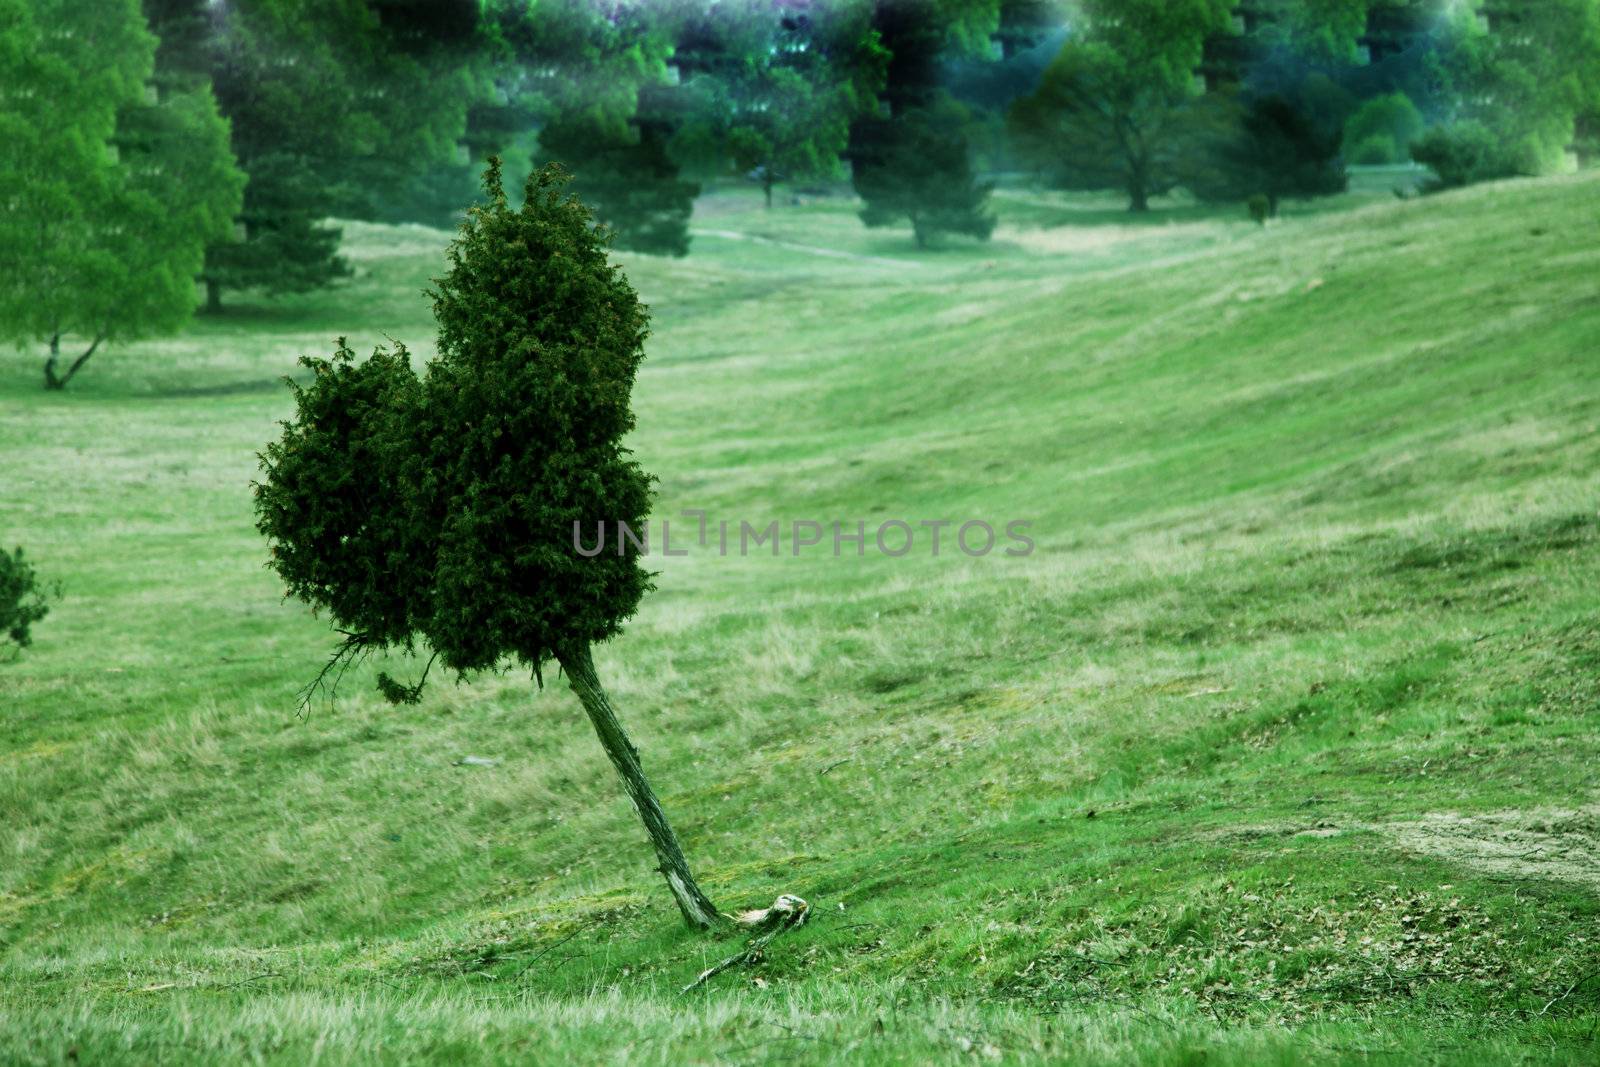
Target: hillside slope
1281	744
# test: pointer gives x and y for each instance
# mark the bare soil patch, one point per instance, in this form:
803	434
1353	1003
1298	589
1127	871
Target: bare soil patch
1557	844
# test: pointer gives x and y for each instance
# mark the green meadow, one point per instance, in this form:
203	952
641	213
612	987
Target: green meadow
1282	746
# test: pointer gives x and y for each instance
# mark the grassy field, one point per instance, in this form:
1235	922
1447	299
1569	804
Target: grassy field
1282	747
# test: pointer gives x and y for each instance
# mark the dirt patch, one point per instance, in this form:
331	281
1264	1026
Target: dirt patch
1551	844
1556	844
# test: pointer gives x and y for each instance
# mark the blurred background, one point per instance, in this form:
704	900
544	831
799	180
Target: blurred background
149	144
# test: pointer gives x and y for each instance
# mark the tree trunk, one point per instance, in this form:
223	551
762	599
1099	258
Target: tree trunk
50	379
213	296
698	911
766	187
1138	198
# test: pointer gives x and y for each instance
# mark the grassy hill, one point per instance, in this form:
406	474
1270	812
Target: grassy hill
1282	746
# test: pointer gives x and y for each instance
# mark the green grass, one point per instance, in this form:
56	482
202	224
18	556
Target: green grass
1280	748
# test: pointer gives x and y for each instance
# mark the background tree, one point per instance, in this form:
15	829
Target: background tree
23	599
444	61
629	177
1028	37
1277	102
112	183
335	107
1317	30
787	126
282	98
918	168
1093	123
1024	24
442	509
598	83
1524	72
910	161
1279	151
65	71
179	191
282	243
1382	130
1463	153
766	89
1367	47
1115	108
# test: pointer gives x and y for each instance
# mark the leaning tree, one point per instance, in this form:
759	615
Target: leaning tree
439	508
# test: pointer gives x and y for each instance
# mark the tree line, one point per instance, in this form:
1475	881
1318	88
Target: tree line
144	146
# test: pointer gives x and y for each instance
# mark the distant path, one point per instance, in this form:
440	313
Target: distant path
831	253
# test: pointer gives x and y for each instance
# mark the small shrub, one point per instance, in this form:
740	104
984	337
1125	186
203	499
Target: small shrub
1389	123
22	598
1464	154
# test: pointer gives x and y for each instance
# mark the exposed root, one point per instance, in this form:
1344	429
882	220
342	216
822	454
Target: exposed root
786	913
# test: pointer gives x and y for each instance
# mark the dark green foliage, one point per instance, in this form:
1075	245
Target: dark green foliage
1463	154
1116	108
1093	124
441	507
915	167
1279	151
336	107
284	246
916	34
22	598
771	89
910	160
628	180
1289	153
334	503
